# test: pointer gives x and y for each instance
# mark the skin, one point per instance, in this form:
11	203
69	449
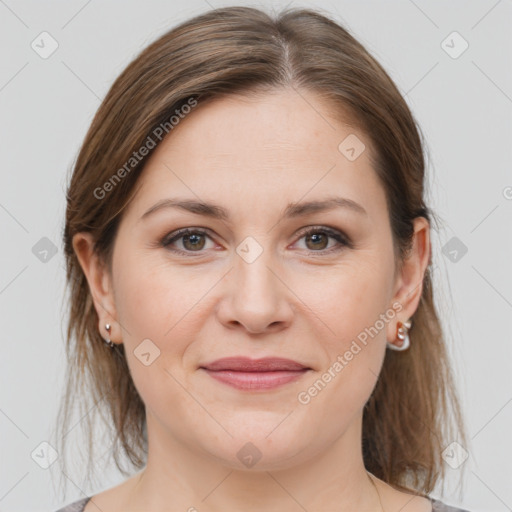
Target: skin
253	156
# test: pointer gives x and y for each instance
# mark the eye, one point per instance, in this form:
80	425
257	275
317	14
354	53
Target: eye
193	240
317	239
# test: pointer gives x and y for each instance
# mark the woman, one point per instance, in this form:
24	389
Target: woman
248	252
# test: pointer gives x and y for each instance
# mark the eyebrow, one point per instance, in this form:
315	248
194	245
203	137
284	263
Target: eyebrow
292	210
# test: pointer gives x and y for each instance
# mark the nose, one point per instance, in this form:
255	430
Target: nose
256	297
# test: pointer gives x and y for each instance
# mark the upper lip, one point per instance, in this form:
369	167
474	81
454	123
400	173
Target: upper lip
246	364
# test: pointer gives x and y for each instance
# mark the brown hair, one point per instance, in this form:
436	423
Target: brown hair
413	412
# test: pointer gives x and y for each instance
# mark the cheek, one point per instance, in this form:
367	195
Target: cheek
154	296
351	305
165	304
156	306
352	356
348	299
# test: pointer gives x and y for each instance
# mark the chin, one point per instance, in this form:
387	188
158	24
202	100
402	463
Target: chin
253	449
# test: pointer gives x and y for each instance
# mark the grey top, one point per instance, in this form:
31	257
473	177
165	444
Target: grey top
437	506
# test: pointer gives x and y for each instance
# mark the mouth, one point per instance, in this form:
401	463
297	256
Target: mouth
255	374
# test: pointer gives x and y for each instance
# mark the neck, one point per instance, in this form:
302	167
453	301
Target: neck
188	479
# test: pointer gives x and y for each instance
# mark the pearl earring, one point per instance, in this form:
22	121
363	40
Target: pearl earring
108	341
403	336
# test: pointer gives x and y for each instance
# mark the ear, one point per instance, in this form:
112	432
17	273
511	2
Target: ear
409	281
100	285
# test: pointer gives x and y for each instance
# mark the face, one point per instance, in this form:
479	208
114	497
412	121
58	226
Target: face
316	286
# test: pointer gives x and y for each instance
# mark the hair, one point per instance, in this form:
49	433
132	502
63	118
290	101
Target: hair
413	412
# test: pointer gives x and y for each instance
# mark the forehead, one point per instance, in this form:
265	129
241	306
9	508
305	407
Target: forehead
267	149
278	121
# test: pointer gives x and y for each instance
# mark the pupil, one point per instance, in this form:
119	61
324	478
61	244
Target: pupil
314	237
194	239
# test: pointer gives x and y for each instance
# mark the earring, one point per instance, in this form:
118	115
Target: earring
403	336
108	341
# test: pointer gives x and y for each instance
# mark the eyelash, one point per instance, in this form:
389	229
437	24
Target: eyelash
342	240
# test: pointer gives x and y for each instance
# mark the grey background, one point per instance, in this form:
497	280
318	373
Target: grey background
463	105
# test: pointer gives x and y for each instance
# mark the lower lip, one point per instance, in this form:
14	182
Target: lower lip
255	380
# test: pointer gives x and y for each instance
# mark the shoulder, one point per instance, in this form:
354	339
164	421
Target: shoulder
439	506
76	506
